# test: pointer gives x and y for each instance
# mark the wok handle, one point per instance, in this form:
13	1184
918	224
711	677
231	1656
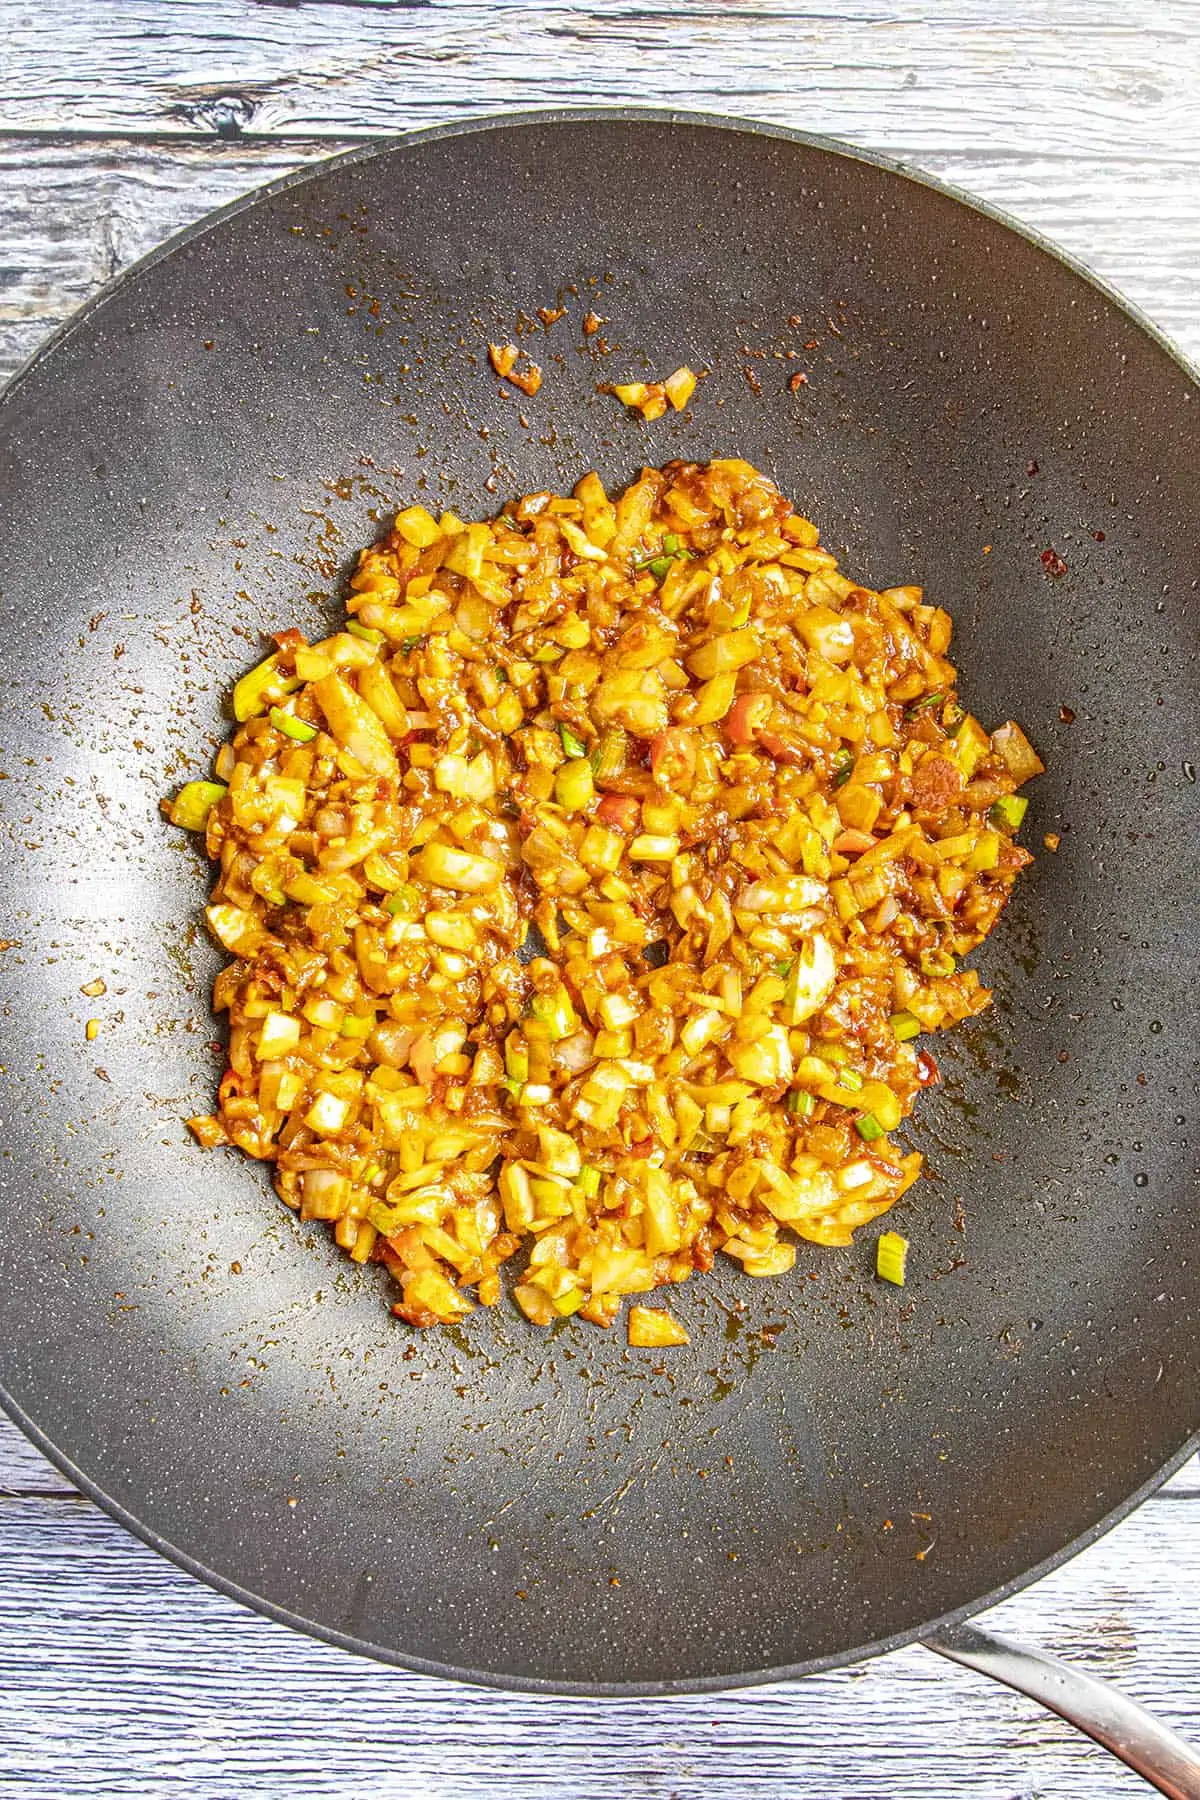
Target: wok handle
1151	1748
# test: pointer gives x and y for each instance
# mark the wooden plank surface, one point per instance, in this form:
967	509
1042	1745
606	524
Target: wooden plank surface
120	122
1064	77
127	1679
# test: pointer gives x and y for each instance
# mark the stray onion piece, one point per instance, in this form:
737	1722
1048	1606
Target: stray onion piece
585	894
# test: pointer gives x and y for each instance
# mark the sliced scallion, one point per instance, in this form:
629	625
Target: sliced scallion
924	705
573	745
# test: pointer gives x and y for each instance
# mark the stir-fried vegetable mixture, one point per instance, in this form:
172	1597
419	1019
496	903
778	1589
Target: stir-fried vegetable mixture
729	799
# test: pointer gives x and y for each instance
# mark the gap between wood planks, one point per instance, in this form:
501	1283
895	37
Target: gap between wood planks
1073	79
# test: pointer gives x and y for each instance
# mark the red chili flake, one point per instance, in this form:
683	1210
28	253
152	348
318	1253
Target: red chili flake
797	382
1053	563
1066	714
927	1069
1099	536
1031	468
1064	1056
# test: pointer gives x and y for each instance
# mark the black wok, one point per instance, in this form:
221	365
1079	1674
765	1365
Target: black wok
831	1466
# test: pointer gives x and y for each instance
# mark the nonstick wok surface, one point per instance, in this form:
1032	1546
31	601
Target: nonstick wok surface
832	1464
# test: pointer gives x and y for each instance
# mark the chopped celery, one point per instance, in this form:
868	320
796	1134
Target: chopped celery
588	1180
574	788
404	901
801	1104
255	691
608	756
555	1011
356	1025
291	726
851	1080
891	1253
905	1025
193	803
1009	810
367	633
868	1127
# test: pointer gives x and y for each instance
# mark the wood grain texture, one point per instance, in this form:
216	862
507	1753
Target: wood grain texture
122	121
172	1689
1067	77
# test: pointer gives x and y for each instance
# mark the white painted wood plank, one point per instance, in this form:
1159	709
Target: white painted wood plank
24	1470
118	1678
71	215
1067	77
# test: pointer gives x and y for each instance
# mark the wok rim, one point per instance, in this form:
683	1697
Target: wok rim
182	1559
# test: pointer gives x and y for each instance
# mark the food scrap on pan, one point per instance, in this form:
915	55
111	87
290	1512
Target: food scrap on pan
651	398
585	894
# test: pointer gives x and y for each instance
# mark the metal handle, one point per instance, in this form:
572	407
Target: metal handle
1149	1747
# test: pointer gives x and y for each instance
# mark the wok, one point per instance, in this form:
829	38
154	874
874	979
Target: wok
831	1467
